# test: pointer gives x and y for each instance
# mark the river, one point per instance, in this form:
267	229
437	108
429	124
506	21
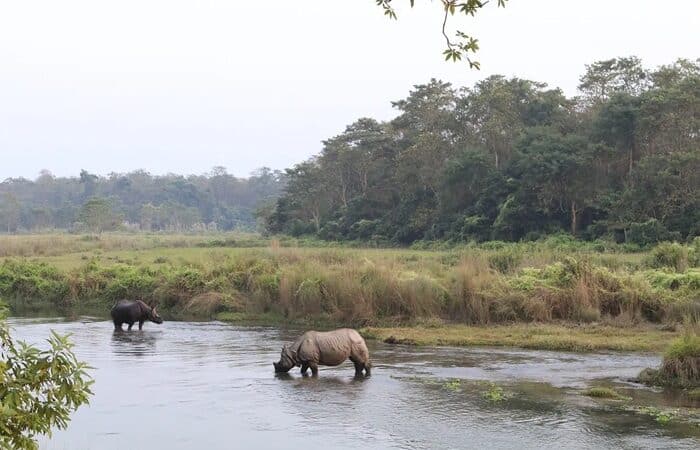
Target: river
210	385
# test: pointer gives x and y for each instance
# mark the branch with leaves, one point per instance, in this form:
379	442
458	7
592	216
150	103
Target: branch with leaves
461	44
39	389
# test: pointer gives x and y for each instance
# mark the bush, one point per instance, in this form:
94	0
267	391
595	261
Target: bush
694	253
671	255
32	281
649	232
505	260
681	364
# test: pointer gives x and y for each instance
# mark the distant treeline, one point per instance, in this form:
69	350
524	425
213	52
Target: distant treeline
512	159
137	200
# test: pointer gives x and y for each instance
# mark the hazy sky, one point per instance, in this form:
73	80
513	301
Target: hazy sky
182	86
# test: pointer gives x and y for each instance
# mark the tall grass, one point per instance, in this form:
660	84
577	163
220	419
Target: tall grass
486	284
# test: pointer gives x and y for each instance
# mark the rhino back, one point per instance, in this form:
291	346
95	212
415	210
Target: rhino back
128	310
336	346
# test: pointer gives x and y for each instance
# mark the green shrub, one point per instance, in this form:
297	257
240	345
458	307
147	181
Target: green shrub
671	255
505	260
33	281
647	233
694	253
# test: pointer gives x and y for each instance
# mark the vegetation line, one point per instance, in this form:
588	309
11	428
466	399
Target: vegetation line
556	281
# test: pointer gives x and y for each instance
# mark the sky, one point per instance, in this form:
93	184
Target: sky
174	86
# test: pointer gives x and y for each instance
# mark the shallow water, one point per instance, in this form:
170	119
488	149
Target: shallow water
187	385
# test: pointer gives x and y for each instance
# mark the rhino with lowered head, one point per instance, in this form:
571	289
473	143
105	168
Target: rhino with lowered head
328	348
130	312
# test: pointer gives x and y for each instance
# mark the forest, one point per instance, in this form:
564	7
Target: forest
507	159
137	201
512	159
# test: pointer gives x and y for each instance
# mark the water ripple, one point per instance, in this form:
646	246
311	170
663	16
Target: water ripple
210	385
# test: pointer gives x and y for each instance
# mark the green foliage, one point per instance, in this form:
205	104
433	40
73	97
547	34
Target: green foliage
453	384
139	201
495	393
662	416
460	45
647	233
681	363
512	160
669	255
31	280
39	389
505	260
687	346
96	215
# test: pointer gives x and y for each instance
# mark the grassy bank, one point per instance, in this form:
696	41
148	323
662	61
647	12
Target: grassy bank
244	277
534	336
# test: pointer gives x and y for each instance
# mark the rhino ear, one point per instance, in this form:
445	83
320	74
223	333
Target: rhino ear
155	313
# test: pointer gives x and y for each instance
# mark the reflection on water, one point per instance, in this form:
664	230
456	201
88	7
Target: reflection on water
135	343
211	385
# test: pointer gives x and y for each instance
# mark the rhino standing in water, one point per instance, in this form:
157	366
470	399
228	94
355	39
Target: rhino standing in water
130	312
328	348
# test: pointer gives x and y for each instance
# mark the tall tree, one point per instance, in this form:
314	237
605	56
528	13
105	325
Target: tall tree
618	75
97	215
10	212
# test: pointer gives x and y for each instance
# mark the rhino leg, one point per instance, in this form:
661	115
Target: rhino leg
358	368
304	368
117	325
368	368
314	369
140	324
131	324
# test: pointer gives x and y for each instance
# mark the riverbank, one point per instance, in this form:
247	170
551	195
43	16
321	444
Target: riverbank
562	337
558	294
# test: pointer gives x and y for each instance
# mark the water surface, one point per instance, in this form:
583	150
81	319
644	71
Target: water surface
210	385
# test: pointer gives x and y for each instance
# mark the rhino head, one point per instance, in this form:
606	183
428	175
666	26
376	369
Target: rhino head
287	360
154	317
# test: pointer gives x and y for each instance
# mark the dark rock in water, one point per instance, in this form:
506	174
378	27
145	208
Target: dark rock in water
394	340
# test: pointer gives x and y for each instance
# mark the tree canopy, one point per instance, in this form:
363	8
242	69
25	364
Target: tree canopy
512	159
137	200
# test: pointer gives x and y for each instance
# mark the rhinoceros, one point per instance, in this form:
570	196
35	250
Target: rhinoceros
129	312
328	348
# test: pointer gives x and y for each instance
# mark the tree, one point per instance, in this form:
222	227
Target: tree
39	389
308	196
96	214
616	126
10	212
509	158
459	45
557	169
618	75
89	182
666	189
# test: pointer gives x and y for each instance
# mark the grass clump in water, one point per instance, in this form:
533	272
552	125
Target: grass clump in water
603	392
495	393
452	384
681	363
682	360
662	416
